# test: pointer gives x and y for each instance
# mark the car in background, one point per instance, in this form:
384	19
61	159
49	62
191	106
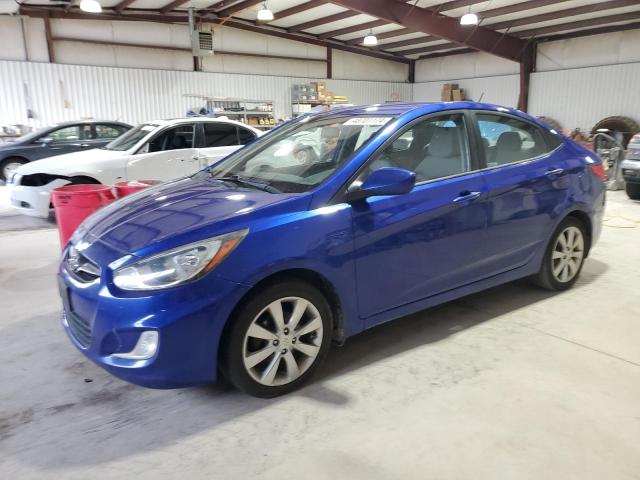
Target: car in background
631	168
252	267
57	139
158	150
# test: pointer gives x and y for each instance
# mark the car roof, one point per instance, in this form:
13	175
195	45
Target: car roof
171	121
399	108
88	122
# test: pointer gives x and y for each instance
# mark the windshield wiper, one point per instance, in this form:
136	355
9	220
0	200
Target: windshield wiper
251	182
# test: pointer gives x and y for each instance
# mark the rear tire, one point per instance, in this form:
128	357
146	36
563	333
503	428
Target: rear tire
633	190
625	126
277	340
9	165
564	257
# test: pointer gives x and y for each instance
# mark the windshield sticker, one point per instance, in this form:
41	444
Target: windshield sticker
368	121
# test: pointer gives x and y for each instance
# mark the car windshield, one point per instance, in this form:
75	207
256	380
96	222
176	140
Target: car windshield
299	157
131	137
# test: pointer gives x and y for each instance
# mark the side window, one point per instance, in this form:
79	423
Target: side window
433	148
108	131
220	134
245	135
175	138
72	133
508	140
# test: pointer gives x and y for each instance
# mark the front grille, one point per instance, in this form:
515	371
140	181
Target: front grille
80	328
80	267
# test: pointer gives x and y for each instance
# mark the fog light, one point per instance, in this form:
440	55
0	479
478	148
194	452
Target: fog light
145	348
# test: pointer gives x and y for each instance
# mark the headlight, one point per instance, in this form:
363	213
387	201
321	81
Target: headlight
179	265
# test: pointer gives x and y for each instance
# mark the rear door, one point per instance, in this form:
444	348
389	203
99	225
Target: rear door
169	154
527	179
413	246
219	140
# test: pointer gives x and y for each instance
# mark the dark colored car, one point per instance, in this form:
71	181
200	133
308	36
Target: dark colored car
55	140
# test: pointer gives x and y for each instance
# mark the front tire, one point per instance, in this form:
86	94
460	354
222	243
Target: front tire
564	257
633	190
277	340
10	165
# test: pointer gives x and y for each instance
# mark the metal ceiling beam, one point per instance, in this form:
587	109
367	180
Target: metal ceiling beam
447	28
494	12
238	7
568	12
172	5
592	22
534	32
41	12
122	5
382	36
591	31
544	17
354	28
303	7
322	21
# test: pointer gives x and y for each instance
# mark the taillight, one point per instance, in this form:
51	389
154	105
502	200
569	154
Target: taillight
598	169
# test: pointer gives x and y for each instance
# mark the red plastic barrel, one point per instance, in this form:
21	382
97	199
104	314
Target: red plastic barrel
125	188
74	203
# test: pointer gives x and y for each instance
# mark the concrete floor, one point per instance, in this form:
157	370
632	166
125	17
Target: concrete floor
511	383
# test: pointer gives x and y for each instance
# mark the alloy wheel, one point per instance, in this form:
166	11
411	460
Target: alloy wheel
568	254
282	341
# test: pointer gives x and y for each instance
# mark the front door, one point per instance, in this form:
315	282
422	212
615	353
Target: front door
410	247
168	155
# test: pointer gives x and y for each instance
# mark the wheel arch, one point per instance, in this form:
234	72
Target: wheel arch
309	276
586	221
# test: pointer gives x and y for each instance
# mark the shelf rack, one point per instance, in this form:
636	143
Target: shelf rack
242	109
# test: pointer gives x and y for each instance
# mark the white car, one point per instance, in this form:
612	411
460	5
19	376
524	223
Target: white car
158	150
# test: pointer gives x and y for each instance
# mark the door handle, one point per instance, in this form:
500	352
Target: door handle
467	196
84	145
554	172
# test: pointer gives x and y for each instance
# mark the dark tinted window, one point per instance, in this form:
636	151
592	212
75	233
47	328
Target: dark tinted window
175	138
508	140
220	134
245	135
434	148
109	131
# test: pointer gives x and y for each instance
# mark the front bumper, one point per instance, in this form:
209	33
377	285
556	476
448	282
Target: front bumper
631	170
189	321
33	201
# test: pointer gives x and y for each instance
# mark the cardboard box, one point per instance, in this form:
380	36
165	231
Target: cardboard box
457	95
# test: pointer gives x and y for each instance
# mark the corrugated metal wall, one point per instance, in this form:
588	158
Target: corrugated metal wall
501	90
581	97
137	95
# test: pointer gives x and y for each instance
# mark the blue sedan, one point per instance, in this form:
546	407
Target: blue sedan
253	266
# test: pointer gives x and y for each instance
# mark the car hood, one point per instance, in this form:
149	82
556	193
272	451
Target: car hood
68	163
176	213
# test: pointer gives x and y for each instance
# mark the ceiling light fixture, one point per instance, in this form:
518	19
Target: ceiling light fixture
264	14
370	40
91	6
469	18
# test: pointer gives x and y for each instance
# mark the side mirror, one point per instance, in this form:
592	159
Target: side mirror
384	181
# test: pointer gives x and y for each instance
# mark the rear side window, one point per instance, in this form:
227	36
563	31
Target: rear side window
245	135
104	131
509	140
220	135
